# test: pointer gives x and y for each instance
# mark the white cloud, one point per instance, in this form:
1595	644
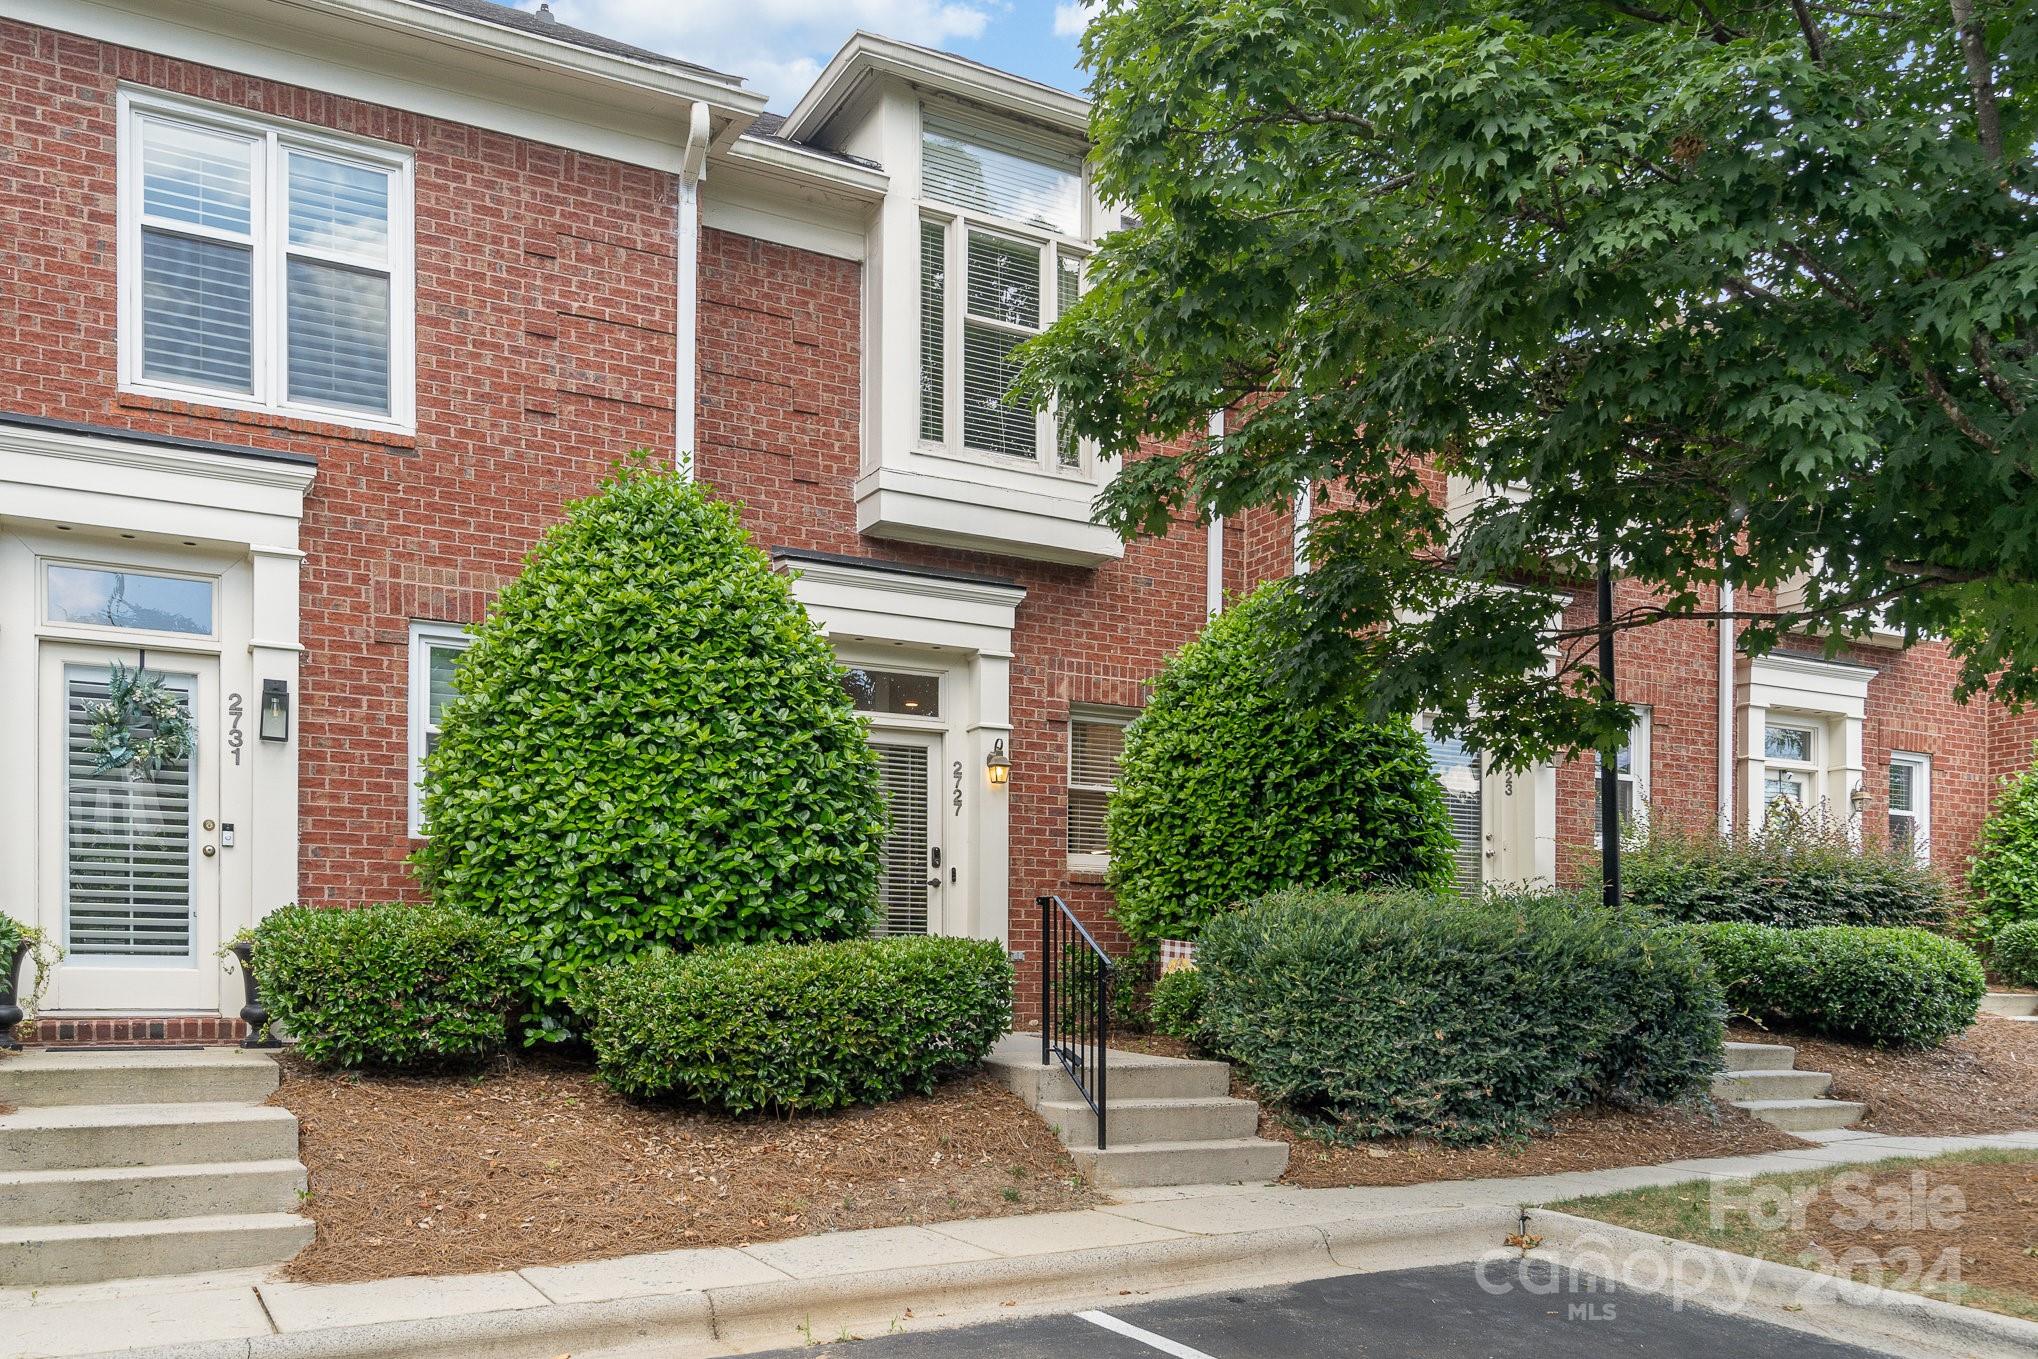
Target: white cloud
777	46
1071	20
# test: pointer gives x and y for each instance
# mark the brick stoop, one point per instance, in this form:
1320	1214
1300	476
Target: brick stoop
1169	1121
59	1031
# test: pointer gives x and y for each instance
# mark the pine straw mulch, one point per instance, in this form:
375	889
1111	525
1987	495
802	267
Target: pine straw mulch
535	1163
1984	1081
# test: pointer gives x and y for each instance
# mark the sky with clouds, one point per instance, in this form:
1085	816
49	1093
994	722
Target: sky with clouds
779	46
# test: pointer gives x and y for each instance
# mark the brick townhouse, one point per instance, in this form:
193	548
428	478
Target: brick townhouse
316	313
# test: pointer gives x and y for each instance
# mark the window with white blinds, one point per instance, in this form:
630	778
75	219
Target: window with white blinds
127	875
1910	804
1096	743
902	883
434	652
1001	257
264	266
1457	769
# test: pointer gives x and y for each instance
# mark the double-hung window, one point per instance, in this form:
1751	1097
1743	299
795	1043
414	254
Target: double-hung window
1002	246
1096	743
263	266
1910	804
434	650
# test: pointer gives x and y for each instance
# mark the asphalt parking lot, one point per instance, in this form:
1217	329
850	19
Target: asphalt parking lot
1408	1314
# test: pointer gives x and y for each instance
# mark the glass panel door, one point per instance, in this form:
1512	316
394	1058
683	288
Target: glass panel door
910	875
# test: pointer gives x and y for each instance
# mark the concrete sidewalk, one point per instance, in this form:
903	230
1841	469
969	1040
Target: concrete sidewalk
723	1301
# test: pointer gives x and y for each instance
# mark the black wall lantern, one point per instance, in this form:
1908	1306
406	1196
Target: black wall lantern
275	710
998	763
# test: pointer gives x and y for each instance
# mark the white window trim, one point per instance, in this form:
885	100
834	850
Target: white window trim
1811	769
1921	801
957	222
424	639
1637	775
269	323
1116	717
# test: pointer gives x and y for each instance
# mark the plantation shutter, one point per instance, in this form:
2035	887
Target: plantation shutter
128	844
902	885
933	331
1094	750
970	170
1457	769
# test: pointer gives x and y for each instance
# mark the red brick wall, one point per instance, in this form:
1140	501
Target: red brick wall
545	317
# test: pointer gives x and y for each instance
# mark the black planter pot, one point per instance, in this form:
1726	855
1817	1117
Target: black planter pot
10	996
254	1014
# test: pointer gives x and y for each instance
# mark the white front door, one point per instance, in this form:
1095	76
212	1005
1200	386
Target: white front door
912	875
129	880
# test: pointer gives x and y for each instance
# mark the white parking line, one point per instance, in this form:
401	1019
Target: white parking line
1148	1338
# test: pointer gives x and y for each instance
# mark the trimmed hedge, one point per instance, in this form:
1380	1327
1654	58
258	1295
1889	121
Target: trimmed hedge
1175	1005
792	1028
2003	882
1795	873
1425	1014
1888	987
2015	952
650	745
397	985
1229	789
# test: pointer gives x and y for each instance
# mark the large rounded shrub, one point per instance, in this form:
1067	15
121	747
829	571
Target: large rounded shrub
650	745
2003	883
1888	987
791	1028
396	986
1228	789
1793	872
2015	953
1422	1013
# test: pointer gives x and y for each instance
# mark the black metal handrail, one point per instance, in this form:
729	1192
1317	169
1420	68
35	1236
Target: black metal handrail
1075	1004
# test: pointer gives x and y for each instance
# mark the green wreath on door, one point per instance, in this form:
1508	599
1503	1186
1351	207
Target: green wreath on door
140	726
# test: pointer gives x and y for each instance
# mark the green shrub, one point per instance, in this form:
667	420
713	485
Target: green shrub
2015	952
1889	987
2003	883
1176	1006
1421	1013
1228	789
1794	872
798	1028
396	985
650	745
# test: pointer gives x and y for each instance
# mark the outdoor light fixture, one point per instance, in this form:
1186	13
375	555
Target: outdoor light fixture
1858	799
999	764
275	710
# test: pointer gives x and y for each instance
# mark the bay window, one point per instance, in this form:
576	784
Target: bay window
1001	257
263	266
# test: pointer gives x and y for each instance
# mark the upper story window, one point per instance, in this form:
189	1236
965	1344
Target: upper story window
1001	257
263	266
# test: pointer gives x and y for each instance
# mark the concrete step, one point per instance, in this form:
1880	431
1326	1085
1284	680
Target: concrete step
1805	1115
70	1137
50	1077
37	1257
1770	1084
149	1193
2014	1004
1760	1057
1134	1121
1128	1075
1245	1160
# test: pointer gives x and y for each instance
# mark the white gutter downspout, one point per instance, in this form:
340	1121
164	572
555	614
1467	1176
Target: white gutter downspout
1213	556
693	165
1726	682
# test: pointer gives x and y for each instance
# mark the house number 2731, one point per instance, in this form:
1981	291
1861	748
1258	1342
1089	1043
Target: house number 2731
234	739
955	798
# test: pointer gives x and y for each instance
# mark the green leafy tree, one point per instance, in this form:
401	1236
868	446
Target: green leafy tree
650	745
1228	790
2003	881
1736	290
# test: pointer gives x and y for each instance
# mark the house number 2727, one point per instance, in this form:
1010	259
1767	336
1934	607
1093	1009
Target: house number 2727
955	798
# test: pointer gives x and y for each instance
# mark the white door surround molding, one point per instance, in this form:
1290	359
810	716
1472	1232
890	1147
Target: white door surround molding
1829	697
110	498
884	613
